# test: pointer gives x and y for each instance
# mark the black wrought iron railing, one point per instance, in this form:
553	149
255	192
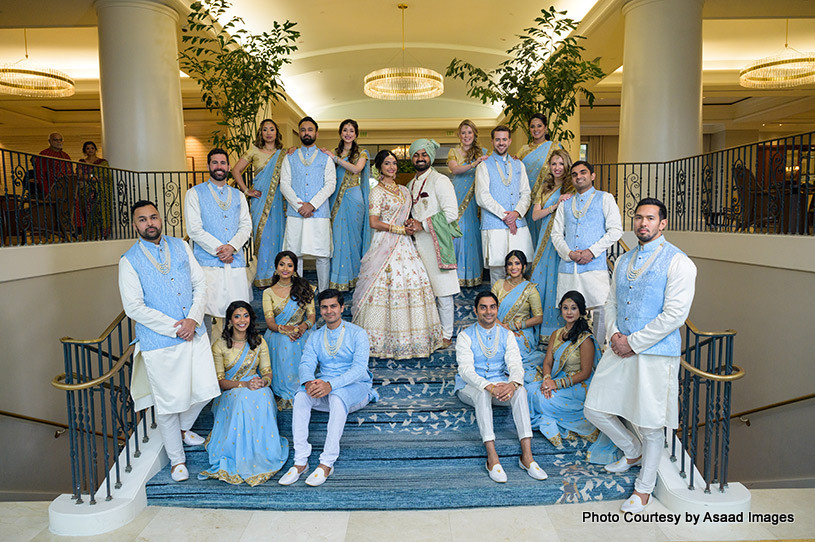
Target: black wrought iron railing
101	414
46	200
764	187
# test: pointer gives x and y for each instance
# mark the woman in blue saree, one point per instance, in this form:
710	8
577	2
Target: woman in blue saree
288	307
462	162
558	391
519	310
556	187
350	230
244	444
266	203
535	156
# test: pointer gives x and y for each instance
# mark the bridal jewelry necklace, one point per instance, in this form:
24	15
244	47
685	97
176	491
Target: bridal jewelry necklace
163	267
332	349
488	352
633	274
224	205
305	162
583	210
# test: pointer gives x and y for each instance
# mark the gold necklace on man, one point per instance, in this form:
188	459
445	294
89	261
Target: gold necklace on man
306	162
506	180
633	274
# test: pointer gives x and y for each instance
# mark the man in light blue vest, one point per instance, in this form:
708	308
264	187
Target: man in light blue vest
637	377
307	179
582	231
502	192
334	378
164	290
218	223
490	372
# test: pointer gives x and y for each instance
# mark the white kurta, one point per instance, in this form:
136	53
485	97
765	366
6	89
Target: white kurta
176	377
594	285
496	244
308	236
441	196
644	388
224	284
466	361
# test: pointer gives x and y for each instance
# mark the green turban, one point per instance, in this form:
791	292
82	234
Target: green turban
428	145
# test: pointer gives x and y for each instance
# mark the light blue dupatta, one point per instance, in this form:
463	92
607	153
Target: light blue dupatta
285	354
526	338
268	219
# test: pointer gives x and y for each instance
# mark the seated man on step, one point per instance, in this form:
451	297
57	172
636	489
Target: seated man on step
490	372
334	378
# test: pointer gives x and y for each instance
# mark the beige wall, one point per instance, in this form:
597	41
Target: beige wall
60	299
763	287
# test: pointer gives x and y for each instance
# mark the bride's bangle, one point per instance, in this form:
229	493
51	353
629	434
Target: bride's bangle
395	228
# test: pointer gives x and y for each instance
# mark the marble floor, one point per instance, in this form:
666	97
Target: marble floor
23	521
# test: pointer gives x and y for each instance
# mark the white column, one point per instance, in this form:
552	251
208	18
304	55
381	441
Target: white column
142	114
661	103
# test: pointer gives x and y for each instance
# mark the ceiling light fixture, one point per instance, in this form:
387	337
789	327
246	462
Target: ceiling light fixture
23	78
403	83
790	68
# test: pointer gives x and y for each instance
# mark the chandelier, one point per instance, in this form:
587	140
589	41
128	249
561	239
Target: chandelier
790	68
23	78
403	83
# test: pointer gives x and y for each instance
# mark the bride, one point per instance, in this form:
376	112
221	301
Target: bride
393	299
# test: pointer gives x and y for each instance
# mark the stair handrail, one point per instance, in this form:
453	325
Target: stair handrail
102	337
59	380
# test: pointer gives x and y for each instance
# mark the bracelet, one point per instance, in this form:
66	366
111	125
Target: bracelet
267	380
308	324
547	375
394	228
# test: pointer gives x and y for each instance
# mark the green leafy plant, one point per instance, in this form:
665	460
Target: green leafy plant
238	71
545	74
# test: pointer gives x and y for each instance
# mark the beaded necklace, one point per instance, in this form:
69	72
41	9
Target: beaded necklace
224	205
633	274
306	162
488	352
163	267
333	349
583	210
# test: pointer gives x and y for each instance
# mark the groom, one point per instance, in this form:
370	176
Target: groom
433	218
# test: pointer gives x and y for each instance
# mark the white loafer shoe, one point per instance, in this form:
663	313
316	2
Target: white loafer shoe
534	470
179	473
192	439
634	504
318	477
622	465
291	476
497	473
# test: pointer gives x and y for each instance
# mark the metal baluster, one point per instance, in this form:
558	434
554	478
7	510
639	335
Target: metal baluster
114	420
72	430
103	421
694	422
93	459
710	418
726	414
718	420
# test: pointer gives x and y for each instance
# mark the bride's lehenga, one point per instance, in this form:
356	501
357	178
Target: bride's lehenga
393	300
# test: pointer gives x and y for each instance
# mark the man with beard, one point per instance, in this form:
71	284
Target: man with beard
307	179
637	377
163	290
582	231
502	192
435	207
219	224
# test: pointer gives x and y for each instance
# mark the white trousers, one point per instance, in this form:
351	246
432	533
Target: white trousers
598	324
301	416
650	449
447	315
323	271
483	402
497	273
170	427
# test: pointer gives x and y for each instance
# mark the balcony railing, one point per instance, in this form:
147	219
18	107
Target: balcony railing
765	187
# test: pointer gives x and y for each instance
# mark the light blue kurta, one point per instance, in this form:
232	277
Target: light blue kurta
268	220
346	370
469	261
561	416
544	269
245	445
350	228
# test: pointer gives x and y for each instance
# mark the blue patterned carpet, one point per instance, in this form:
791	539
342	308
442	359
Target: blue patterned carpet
417	448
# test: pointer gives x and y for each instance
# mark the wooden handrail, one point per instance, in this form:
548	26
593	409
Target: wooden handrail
739	372
741	415
59	380
62	427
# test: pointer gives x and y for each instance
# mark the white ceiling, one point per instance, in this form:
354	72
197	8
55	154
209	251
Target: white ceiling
341	42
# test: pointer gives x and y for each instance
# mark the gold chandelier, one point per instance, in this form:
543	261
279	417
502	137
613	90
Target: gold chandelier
790	68
403	83
23	78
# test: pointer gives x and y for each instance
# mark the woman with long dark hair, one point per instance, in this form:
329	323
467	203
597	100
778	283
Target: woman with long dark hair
244	445
266	202
558	391
394	300
535	155
288	307
350	230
